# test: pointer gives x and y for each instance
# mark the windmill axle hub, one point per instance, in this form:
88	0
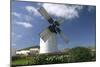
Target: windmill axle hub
53	28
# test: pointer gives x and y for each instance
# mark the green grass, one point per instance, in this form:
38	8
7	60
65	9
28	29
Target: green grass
78	54
20	62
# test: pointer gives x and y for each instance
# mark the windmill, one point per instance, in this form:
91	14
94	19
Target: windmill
48	42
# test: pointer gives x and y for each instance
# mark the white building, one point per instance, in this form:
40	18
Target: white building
34	50
28	51
50	46
23	52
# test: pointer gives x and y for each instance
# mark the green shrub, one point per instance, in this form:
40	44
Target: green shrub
80	54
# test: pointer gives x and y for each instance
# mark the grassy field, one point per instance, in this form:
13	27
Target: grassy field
78	54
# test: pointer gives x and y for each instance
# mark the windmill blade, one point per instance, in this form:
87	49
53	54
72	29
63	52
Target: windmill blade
65	39
45	34
44	13
59	21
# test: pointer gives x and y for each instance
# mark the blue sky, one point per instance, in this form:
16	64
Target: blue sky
27	23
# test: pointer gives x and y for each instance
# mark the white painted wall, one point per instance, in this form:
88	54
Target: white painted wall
50	45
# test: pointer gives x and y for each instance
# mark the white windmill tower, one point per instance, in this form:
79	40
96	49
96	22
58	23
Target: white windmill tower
48	43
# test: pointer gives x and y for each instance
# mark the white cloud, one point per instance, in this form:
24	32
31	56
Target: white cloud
22	16
24	24
32	10
16	14
16	35
90	8
19	36
13	44
39	4
27	18
13	33
64	11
